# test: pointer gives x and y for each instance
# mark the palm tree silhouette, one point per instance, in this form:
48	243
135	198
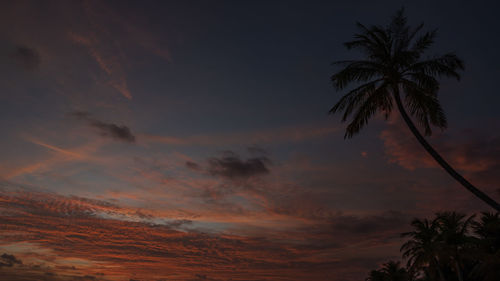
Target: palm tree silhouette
394	65
487	229
390	271
454	235
423	248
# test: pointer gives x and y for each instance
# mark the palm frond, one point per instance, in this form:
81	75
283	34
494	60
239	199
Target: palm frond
374	41
424	42
377	100
446	65
354	72
424	106
352	99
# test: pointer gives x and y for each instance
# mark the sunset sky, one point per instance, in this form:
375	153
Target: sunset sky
190	140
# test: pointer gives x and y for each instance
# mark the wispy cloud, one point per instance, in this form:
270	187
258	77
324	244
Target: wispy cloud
114	131
107	59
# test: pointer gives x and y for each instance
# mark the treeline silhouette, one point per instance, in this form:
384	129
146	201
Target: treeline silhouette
449	247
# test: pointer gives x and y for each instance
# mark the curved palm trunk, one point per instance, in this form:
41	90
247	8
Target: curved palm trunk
440	160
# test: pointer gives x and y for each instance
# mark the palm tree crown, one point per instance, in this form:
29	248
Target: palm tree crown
394	62
423	248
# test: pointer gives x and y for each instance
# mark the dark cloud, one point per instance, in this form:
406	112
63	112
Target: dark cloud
27	57
114	131
231	166
9	260
193	166
117	132
42	272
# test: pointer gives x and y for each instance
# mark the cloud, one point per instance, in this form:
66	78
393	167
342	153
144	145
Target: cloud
107	56
193	166
110	37
114	131
472	151
117	132
9	260
75	240
37	271
28	58
231	166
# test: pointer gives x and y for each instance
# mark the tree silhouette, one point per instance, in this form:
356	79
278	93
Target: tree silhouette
394	66
390	271
455	239
449	247
423	248
487	229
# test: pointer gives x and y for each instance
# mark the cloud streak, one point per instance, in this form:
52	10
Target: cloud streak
111	130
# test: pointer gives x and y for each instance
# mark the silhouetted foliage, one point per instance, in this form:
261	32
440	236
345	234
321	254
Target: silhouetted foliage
394	65
449	247
390	271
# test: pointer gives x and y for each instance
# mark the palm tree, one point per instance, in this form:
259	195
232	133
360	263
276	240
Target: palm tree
423	248
390	271
454	234
393	66
487	229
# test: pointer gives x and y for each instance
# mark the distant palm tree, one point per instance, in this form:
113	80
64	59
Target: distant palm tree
390	271
488	257
454	234
393	66
488	231
424	248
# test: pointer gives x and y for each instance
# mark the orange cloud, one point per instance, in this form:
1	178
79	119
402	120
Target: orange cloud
70	238
57	149
467	154
471	152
